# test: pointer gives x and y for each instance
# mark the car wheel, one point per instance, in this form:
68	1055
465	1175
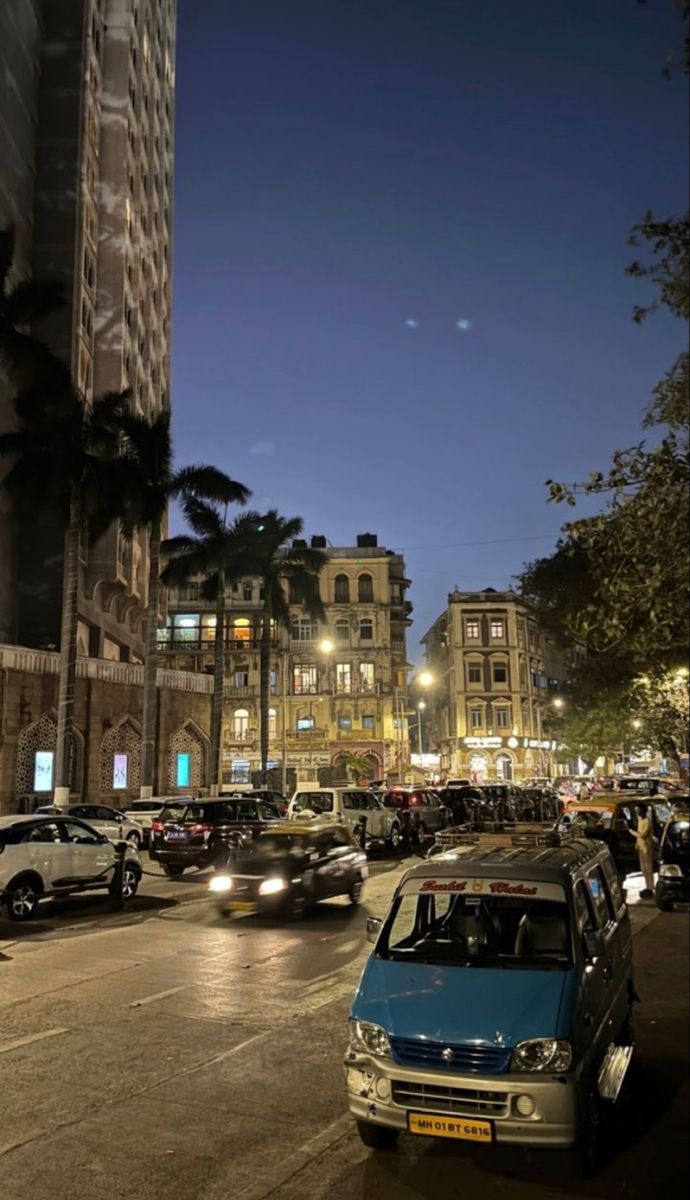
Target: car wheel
134	840
355	892
173	870
395	837
418	833
22	900
377	1137
130	882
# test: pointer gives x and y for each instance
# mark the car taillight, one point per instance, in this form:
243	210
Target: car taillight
156	826
202	828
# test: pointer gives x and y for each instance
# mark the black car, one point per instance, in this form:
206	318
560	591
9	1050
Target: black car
275	798
464	804
201	833
290	867
673	883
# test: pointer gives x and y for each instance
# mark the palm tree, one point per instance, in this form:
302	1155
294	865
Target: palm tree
148	447
358	766
216	551
273	556
64	459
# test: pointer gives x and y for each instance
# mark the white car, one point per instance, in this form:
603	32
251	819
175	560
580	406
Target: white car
349	806
143	812
115	825
55	856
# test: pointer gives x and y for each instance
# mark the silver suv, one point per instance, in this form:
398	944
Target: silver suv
116	826
352	807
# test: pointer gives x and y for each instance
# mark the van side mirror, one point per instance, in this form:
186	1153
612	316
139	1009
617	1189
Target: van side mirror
373	928
593	944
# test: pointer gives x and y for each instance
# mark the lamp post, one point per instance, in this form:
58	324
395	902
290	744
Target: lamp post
420	709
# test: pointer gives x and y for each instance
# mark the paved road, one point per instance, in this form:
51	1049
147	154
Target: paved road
168	1053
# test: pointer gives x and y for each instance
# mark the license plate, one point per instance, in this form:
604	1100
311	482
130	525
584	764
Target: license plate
175	835
245	906
431	1125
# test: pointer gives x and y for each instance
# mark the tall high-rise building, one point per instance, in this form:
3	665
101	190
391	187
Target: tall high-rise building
99	94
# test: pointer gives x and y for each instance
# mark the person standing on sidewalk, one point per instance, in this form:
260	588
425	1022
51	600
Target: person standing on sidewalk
644	836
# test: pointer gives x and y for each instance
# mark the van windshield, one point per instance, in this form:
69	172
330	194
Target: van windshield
501	931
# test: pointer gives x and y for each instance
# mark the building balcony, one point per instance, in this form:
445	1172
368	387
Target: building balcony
314	739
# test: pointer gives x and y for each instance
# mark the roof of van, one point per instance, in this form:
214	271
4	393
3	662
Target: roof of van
551	863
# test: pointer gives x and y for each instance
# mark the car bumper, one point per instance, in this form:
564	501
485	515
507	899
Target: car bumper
670	889
379	1092
181	856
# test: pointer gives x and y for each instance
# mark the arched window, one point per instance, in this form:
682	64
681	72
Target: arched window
342	589
365	589
240	724
241	629
504	766
272	724
342	630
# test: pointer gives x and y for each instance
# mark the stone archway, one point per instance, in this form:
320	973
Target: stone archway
119	760
35	760
187	758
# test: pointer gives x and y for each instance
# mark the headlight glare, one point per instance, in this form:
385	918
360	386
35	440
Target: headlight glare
542	1054
369	1038
220	883
270	887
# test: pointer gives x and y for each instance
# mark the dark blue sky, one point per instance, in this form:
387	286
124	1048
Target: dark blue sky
344	167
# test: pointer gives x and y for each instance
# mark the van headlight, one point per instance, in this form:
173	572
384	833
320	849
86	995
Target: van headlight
542	1054
220	883
670	871
370	1038
270	887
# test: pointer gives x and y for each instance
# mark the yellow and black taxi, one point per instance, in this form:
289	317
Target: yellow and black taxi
289	868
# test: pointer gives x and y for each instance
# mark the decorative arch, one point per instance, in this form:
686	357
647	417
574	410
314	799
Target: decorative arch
341	589
124	740
40	738
188	748
504	764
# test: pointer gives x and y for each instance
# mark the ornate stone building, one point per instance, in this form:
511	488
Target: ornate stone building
86	160
496	674
337	688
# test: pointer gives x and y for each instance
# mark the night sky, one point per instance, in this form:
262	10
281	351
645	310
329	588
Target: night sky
400	239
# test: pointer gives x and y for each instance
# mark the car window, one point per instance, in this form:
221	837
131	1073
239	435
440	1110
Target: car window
101	813
79	834
352	801
613	883
174	812
268	811
393	800
85	811
318	802
599	894
42	833
432	800
373	803
584	908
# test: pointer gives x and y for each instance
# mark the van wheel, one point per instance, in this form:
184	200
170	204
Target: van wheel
377	1137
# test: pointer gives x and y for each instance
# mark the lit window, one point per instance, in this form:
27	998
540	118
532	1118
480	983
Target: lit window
240	724
501	718
500	672
241	629
304	679
183	772
366	630
272	724
472	630
343	677
43	770
476	718
120	765
305	723
474	673
497	628
366	677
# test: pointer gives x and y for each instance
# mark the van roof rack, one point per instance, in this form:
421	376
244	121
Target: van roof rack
530	833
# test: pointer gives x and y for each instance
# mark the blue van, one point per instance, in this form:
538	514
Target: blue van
496	1006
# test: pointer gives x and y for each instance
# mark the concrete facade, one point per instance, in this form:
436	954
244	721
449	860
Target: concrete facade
105	751
496	674
88	173
324	705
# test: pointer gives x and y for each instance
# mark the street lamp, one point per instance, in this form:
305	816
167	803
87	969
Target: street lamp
326	646
425	679
559	702
420	709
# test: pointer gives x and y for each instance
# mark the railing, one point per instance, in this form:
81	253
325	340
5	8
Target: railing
242	692
47	662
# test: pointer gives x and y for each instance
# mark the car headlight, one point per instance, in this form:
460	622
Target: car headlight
269	887
220	883
370	1038
542	1054
670	870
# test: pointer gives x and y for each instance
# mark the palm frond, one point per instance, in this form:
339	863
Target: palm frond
280	609
183	568
208	483
30	300
204	519
308	558
174	547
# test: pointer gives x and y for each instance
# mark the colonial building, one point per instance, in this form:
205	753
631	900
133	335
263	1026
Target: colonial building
86	177
337	688
495	677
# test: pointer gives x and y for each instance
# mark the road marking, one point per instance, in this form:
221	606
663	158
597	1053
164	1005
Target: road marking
157	996
268	1182
34	1037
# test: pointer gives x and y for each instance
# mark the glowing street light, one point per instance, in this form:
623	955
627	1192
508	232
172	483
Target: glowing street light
425	679
326	646
637	724
559	702
420	710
